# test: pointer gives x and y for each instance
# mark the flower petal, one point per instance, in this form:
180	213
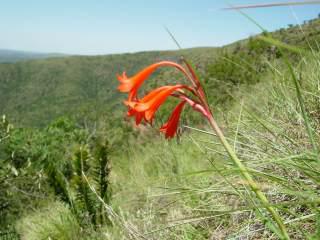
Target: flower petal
171	126
150	107
132	84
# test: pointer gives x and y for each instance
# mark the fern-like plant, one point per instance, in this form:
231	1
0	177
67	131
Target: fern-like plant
85	201
101	175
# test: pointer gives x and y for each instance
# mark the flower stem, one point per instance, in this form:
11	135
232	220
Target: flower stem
244	172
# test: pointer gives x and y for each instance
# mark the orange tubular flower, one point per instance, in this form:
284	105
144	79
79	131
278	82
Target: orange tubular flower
141	115
151	102
132	84
170	127
146	107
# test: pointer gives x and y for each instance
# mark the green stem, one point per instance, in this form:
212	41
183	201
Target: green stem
253	185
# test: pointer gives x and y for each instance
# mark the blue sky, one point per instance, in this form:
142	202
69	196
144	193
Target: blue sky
105	26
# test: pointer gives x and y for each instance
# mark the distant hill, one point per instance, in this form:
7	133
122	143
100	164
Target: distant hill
37	91
10	56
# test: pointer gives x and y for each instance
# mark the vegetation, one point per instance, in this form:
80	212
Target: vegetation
33	93
91	175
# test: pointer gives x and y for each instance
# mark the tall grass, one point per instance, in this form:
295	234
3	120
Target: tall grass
190	190
54	222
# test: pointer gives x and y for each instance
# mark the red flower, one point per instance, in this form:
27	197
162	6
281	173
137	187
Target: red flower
146	107
132	84
141	115
151	102
170	127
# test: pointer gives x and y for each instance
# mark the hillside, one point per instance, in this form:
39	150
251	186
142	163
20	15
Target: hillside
42	90
38	91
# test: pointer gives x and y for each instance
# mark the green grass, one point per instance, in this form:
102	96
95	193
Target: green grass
52	222
191	190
